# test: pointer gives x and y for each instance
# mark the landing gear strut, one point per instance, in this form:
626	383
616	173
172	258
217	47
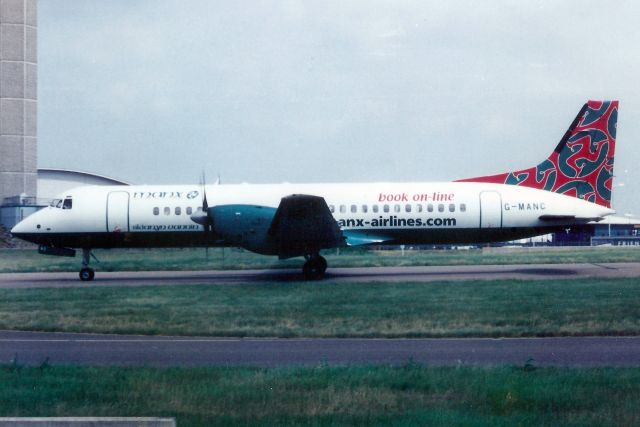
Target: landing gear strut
86	273
315	267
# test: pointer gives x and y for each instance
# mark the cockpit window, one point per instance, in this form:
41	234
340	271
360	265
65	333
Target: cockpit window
62	204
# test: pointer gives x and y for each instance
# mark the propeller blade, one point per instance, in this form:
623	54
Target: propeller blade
205	203
205	211
202	216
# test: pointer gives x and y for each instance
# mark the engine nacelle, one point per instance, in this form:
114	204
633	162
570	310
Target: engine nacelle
246	226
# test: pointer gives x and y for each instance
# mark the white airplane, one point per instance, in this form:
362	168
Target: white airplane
571	187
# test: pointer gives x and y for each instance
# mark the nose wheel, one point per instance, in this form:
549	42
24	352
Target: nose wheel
314	268
86	273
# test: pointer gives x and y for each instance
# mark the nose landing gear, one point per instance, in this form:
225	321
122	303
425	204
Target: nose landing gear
86	273
315	267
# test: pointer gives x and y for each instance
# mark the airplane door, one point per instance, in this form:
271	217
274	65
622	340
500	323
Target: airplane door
490	209
118	211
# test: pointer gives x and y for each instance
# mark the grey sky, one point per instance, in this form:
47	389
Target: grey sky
313	91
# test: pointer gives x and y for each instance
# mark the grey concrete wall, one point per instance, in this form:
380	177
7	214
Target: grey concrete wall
18	97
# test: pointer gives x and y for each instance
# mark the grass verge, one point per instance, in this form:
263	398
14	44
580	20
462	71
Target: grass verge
330	309
22	260
319	396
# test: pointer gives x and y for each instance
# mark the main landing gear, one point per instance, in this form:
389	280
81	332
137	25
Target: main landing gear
86	274
315	267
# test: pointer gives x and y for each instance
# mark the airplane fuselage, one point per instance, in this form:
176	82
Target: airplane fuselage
407	213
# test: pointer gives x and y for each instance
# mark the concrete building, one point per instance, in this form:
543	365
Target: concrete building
18	110
18	98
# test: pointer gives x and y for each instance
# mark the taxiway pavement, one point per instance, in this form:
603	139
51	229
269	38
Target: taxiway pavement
343	275
34	348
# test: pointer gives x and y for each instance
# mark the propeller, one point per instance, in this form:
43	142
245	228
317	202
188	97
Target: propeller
205	203
202	216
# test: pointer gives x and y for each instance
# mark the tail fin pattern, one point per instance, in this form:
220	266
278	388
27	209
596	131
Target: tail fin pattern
582	163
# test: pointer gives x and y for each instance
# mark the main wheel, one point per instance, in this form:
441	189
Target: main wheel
322	263
314	268
87	274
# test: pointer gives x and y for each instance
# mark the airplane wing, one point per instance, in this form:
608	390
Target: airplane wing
303	224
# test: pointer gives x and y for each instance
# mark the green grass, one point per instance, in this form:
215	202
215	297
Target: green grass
26	260
329	396
330	309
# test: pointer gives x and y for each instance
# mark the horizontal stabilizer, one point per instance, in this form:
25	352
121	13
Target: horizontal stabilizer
571	218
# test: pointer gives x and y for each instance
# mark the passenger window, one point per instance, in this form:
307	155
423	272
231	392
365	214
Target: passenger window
199	209
178	210
396	208
68	204
156	211
375	208
440	207
332	208
167	210
365	208
463	207
343	208
418	208
452	207
189	210
385	208
407	208
354	209
429	207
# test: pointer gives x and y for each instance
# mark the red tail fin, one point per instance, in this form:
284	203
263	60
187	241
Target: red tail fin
581	165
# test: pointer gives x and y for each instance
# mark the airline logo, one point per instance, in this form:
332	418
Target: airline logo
165	194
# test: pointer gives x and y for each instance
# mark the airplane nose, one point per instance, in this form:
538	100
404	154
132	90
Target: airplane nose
26	228
29	229
19	229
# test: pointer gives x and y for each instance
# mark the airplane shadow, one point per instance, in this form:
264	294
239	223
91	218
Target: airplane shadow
344	275
398	275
